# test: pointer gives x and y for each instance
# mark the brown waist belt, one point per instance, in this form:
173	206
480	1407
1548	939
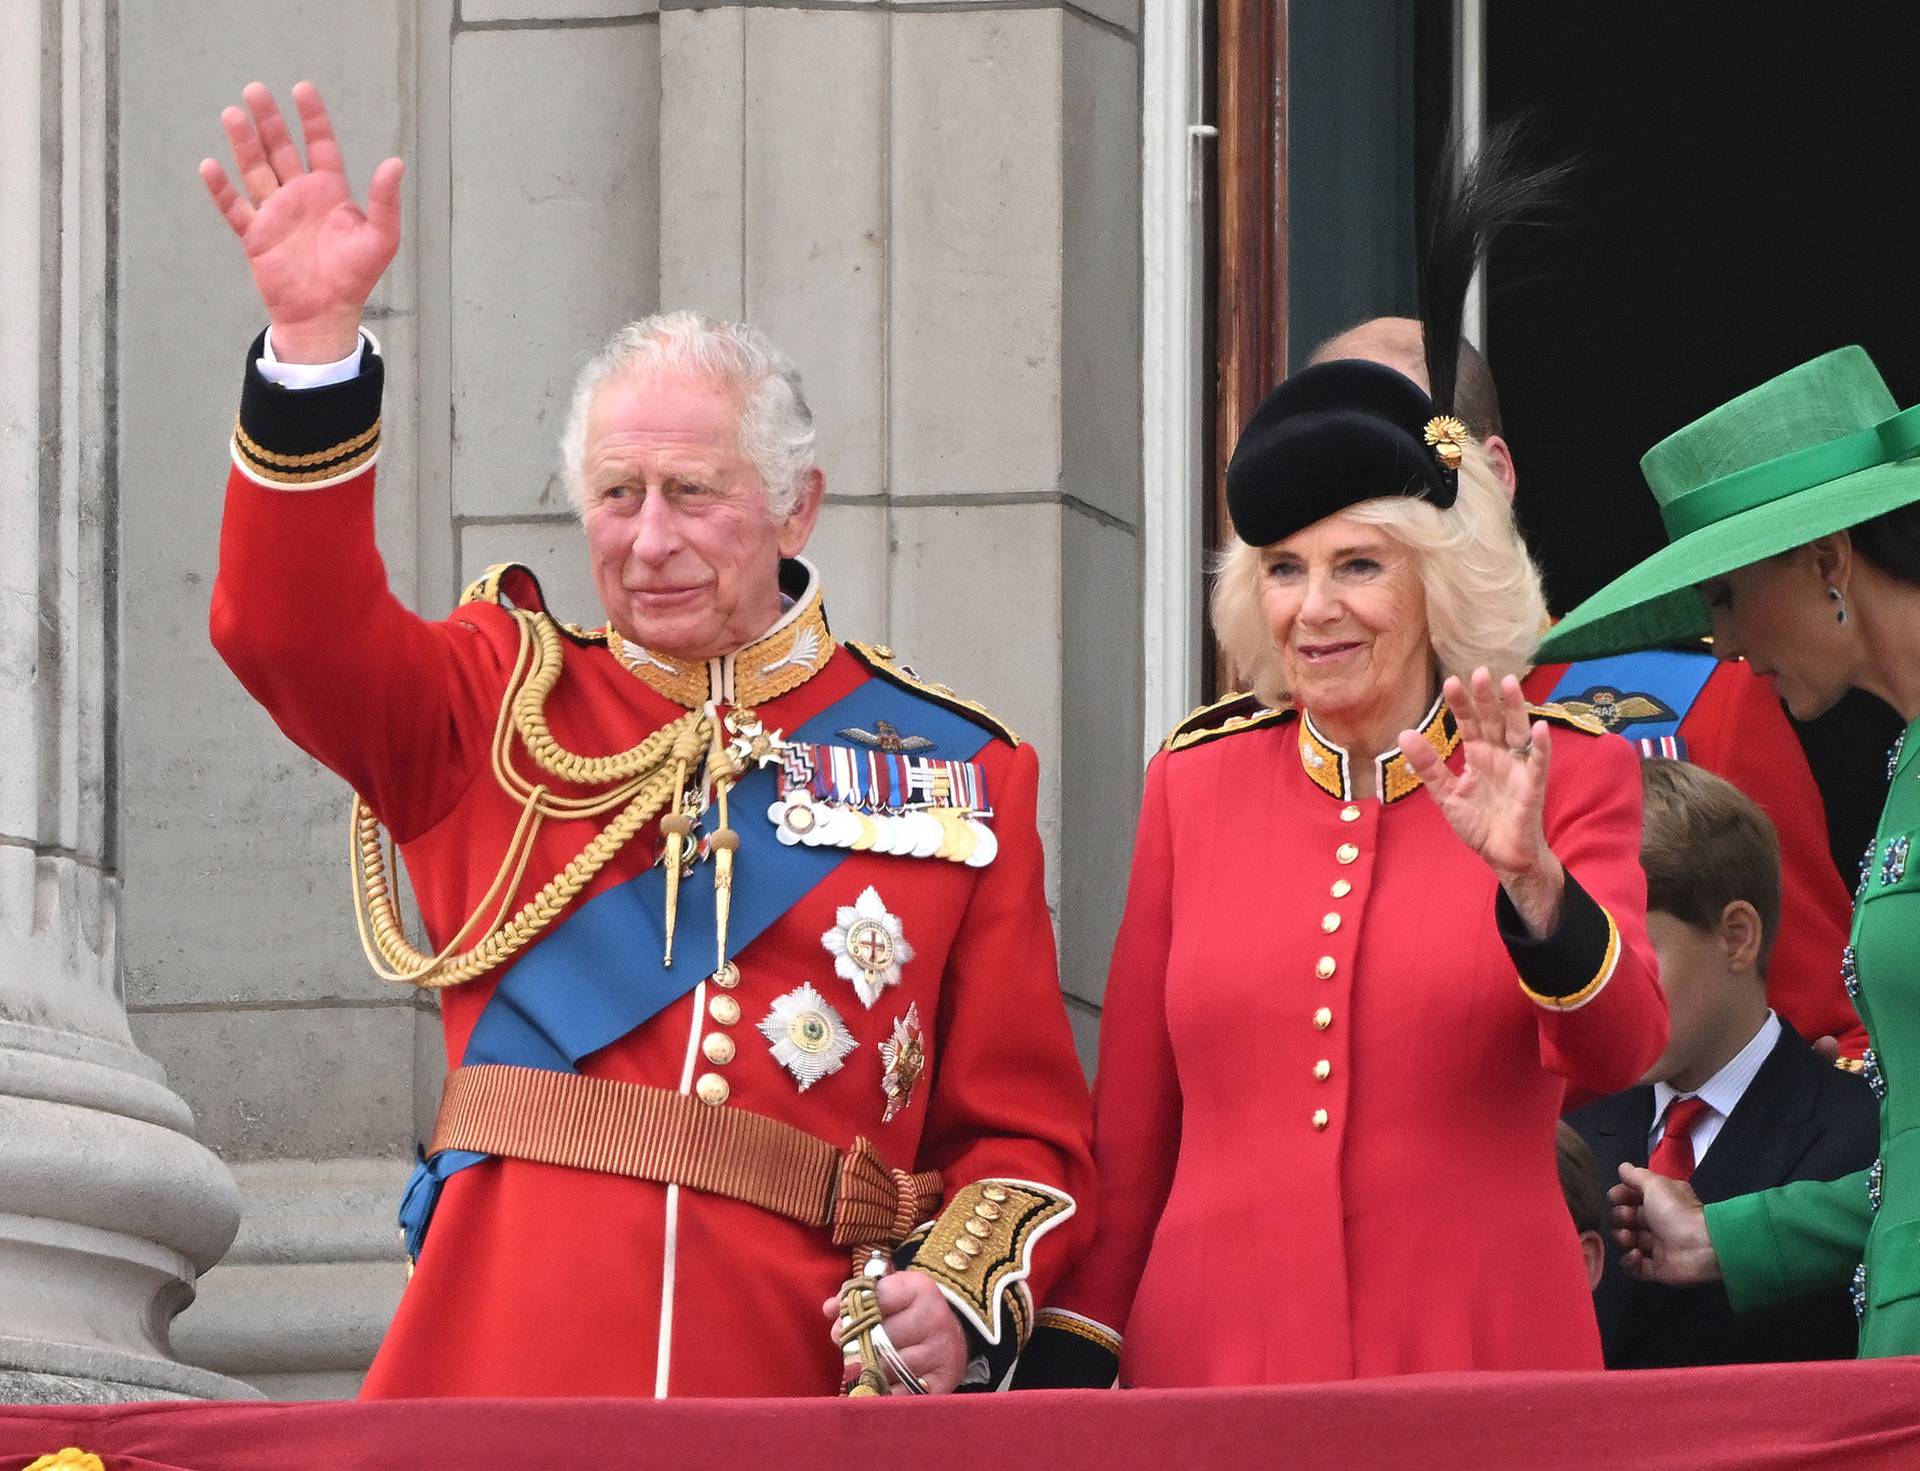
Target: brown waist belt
672	1139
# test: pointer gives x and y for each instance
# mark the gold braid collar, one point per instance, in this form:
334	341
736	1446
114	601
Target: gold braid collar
786	657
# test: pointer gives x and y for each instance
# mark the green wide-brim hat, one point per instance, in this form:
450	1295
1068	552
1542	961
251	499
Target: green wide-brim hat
1814	451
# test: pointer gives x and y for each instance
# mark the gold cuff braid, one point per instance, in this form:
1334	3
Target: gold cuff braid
981	1249
642	784
1097	1334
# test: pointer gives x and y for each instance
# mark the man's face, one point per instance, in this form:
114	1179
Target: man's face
686	555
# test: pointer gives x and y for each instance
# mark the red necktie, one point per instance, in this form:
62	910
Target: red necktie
1673	1155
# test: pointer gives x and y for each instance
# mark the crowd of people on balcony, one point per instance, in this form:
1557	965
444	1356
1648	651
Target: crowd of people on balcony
1485	996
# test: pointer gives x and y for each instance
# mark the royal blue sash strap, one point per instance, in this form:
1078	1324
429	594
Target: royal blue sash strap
422	1192
598	975
1657	687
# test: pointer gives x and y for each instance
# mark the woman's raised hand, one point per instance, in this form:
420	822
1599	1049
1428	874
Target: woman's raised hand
315	256
1497	799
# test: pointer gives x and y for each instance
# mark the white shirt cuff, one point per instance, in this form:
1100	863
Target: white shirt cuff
312	375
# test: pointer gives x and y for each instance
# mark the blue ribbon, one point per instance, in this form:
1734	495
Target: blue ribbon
1674	677
598	975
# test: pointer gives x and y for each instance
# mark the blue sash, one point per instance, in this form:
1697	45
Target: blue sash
598	976
1651	692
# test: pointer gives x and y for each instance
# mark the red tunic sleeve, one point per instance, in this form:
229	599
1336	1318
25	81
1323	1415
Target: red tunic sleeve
302	613
1737	730
1008	1101
1136	1131
1601	1012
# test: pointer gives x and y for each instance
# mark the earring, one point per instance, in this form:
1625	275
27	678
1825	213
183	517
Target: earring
1839	604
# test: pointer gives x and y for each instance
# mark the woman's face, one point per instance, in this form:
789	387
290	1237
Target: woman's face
1345	608
1779	616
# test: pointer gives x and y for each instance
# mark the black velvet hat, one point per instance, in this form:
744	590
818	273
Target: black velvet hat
1347	431
1331	436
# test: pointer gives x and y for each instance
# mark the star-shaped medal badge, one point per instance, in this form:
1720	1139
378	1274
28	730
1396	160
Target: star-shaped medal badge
807	1037
868	946
905	1055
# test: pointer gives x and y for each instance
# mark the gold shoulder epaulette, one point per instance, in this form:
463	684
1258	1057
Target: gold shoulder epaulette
882	661
513	585
1225	717
1561	715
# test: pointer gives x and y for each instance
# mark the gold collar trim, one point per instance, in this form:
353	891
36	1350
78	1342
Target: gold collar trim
782	659
1330	768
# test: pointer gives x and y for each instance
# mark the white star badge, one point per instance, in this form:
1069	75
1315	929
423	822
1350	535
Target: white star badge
868	946
808	1038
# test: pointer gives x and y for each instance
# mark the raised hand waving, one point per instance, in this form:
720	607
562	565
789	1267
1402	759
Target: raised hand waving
1497	800
315	255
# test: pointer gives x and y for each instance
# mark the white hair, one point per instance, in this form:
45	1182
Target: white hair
776	426
1484	600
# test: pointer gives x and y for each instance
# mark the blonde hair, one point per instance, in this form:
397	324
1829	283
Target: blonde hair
1484	601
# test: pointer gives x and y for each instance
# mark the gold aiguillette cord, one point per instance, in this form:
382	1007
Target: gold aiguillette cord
678	828
860	1315
726	843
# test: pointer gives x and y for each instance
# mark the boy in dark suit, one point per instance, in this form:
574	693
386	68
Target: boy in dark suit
1738	1102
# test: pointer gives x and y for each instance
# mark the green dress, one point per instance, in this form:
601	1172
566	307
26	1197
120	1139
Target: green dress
1814	1234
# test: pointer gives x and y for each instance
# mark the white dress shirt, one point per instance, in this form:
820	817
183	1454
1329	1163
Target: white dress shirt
312	375
1720	1092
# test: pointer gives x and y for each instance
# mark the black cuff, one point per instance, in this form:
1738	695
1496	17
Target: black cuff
300	436
1058	1359
1568	967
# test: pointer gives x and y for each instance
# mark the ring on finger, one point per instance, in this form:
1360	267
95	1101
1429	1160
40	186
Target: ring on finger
1522	752
890	1356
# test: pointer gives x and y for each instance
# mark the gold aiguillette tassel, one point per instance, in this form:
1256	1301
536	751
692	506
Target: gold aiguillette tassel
678	828
725	841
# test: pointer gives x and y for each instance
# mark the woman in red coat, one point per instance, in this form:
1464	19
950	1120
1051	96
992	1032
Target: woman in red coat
1343	1009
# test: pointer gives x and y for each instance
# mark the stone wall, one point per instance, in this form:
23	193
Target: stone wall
934	207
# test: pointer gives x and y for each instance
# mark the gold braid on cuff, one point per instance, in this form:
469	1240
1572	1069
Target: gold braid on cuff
981	1248
639	781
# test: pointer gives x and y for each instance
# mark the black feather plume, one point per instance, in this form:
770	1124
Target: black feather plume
1472	201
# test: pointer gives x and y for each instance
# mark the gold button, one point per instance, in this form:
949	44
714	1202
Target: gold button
966	1244
986	1210
1346	852
1322	1019
1325	968
724	1009
1329	921
1349	813
1319	1118
954	1260
979	1228
1322	1070
712	1088
1341	888
995	1194
727	977
718	1047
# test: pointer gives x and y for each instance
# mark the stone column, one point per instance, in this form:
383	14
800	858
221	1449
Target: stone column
109	1209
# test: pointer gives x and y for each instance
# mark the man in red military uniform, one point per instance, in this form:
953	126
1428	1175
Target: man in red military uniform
1686	705
738	932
